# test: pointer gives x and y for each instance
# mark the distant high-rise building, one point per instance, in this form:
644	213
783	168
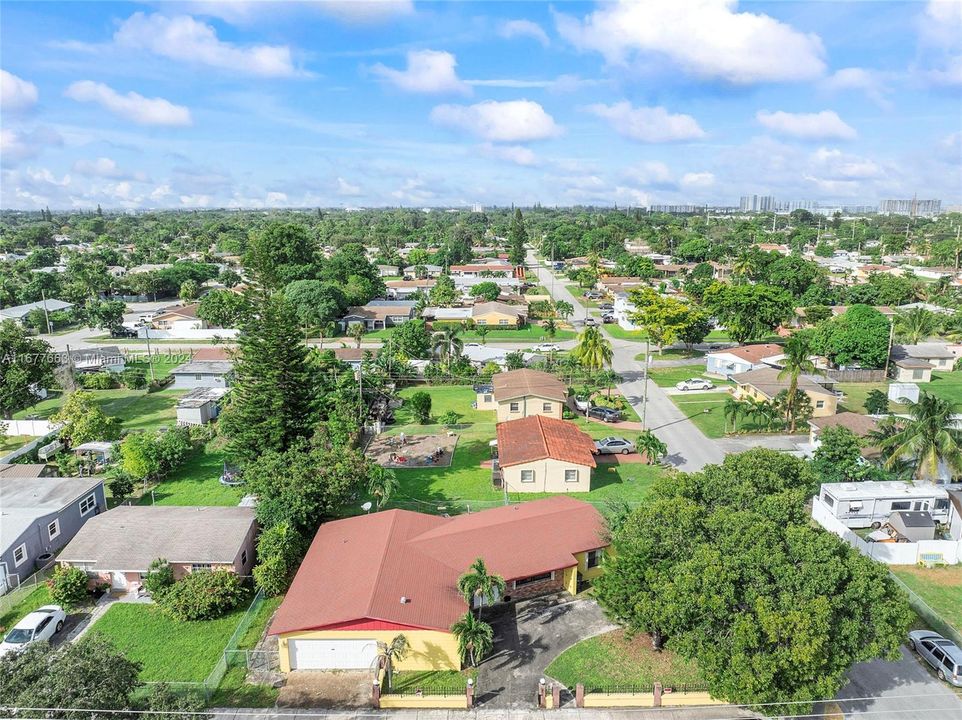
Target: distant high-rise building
477	208
677	209
913	207
756	203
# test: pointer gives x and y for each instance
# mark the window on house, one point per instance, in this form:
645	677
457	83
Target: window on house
902	505
88	504
918	374
571	476
53	529
502	321
545	407
515	407
527	476
820	403
244	558
481	321
19	555
201	567
487	398
533	579
594	558
198	376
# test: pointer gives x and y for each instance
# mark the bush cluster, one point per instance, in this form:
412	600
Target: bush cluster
203	595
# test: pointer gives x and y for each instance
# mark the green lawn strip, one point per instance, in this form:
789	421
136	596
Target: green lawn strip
619	333
579	292
946	385
170	650
711	423
432	680
197	481
12	442
940	588
142	342
611	661
36	598
671	354
136	409
162	363
855	394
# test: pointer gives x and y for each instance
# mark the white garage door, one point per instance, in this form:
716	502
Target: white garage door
332	654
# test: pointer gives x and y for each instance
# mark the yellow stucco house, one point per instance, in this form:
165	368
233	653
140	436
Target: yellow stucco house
764	384
523	393
499	314
369	578
542	454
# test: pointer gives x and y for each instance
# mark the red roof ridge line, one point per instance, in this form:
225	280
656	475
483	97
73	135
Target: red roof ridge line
395	514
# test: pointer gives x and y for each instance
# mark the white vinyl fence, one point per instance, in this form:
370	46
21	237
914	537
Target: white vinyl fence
33	428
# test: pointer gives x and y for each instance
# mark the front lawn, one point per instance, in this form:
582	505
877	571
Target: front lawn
533	332
234	690
670	376
611	660
619	333
712	422
136	409
431	681
940	588
855	394
38	597
13	442
169	649
671	354
946	385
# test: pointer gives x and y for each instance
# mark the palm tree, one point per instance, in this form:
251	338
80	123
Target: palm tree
482	331
382	484
475	638
550	327
608	378
564	309
356	331
593	351
447	345
745	266
478	583
324	329
795	362
915	325
733	410
653	448
392	652
928	438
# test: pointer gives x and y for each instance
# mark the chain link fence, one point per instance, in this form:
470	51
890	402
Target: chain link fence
929	614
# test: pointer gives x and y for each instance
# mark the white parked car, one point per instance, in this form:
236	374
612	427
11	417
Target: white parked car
613	446
695	384
39	625
546	347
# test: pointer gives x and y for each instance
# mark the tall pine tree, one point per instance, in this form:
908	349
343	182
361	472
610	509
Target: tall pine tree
273	398
517	238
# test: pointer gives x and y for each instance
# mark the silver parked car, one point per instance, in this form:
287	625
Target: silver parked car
695	384
39	625
939	652
613	446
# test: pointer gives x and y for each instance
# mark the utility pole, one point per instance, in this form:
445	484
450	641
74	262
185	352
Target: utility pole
150	357
45	313
888	355
644	399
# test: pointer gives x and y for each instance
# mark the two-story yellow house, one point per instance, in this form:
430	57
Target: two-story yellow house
369	578
523	393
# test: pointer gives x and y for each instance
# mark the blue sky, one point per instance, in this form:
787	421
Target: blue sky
260	104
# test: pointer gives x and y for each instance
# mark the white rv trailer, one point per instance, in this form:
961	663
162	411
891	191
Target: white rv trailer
869	504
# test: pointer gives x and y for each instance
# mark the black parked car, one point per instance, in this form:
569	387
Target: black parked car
123	332
604	414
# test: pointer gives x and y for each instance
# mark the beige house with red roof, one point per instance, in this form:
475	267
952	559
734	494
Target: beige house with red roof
369	578
542	454
521	393
732	361
179	318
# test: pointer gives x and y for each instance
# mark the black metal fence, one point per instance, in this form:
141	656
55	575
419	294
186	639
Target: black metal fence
433	690
620	689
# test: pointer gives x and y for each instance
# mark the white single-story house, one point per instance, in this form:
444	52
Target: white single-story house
732	361
202	374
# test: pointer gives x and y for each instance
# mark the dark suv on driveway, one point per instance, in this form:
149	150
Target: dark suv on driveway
604	414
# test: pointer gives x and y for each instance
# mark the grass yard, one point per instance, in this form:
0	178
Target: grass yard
670	376
671	354
940	588
579	292
12	442
532	332
136	409
162	362
234	691
197	481
612	659
36	598
946	385
855	394
619	333
428	680
465	481
169	649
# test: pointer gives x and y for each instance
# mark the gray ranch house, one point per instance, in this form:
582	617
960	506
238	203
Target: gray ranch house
202	374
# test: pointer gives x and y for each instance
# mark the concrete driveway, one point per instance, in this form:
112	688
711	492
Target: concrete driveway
528	635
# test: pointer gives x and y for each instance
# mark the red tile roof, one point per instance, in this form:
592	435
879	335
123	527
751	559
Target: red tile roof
538	437
358	569
752	353
214	354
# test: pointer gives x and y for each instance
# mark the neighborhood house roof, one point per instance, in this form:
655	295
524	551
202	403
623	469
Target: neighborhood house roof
204	367
538	437
185	311
361	568
521	383
497	307
211	353
27	498
923	351
752	353
129	538
18	312
766	381
381	309
859	424
198	397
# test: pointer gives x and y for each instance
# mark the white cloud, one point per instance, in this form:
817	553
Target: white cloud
707	38
833	164
809	126
698	180
276	198
523	28
366	11
16	94
517	154
428	71
347	189
186	39
650	173
501	122
135	107
104	167
416	191
19	145
648	124
870	82
940	34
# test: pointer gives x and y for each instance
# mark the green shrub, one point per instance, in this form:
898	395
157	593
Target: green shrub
134	378
202	595
279	550
421	407
160	576
98	381
450	418
68	586
120	484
